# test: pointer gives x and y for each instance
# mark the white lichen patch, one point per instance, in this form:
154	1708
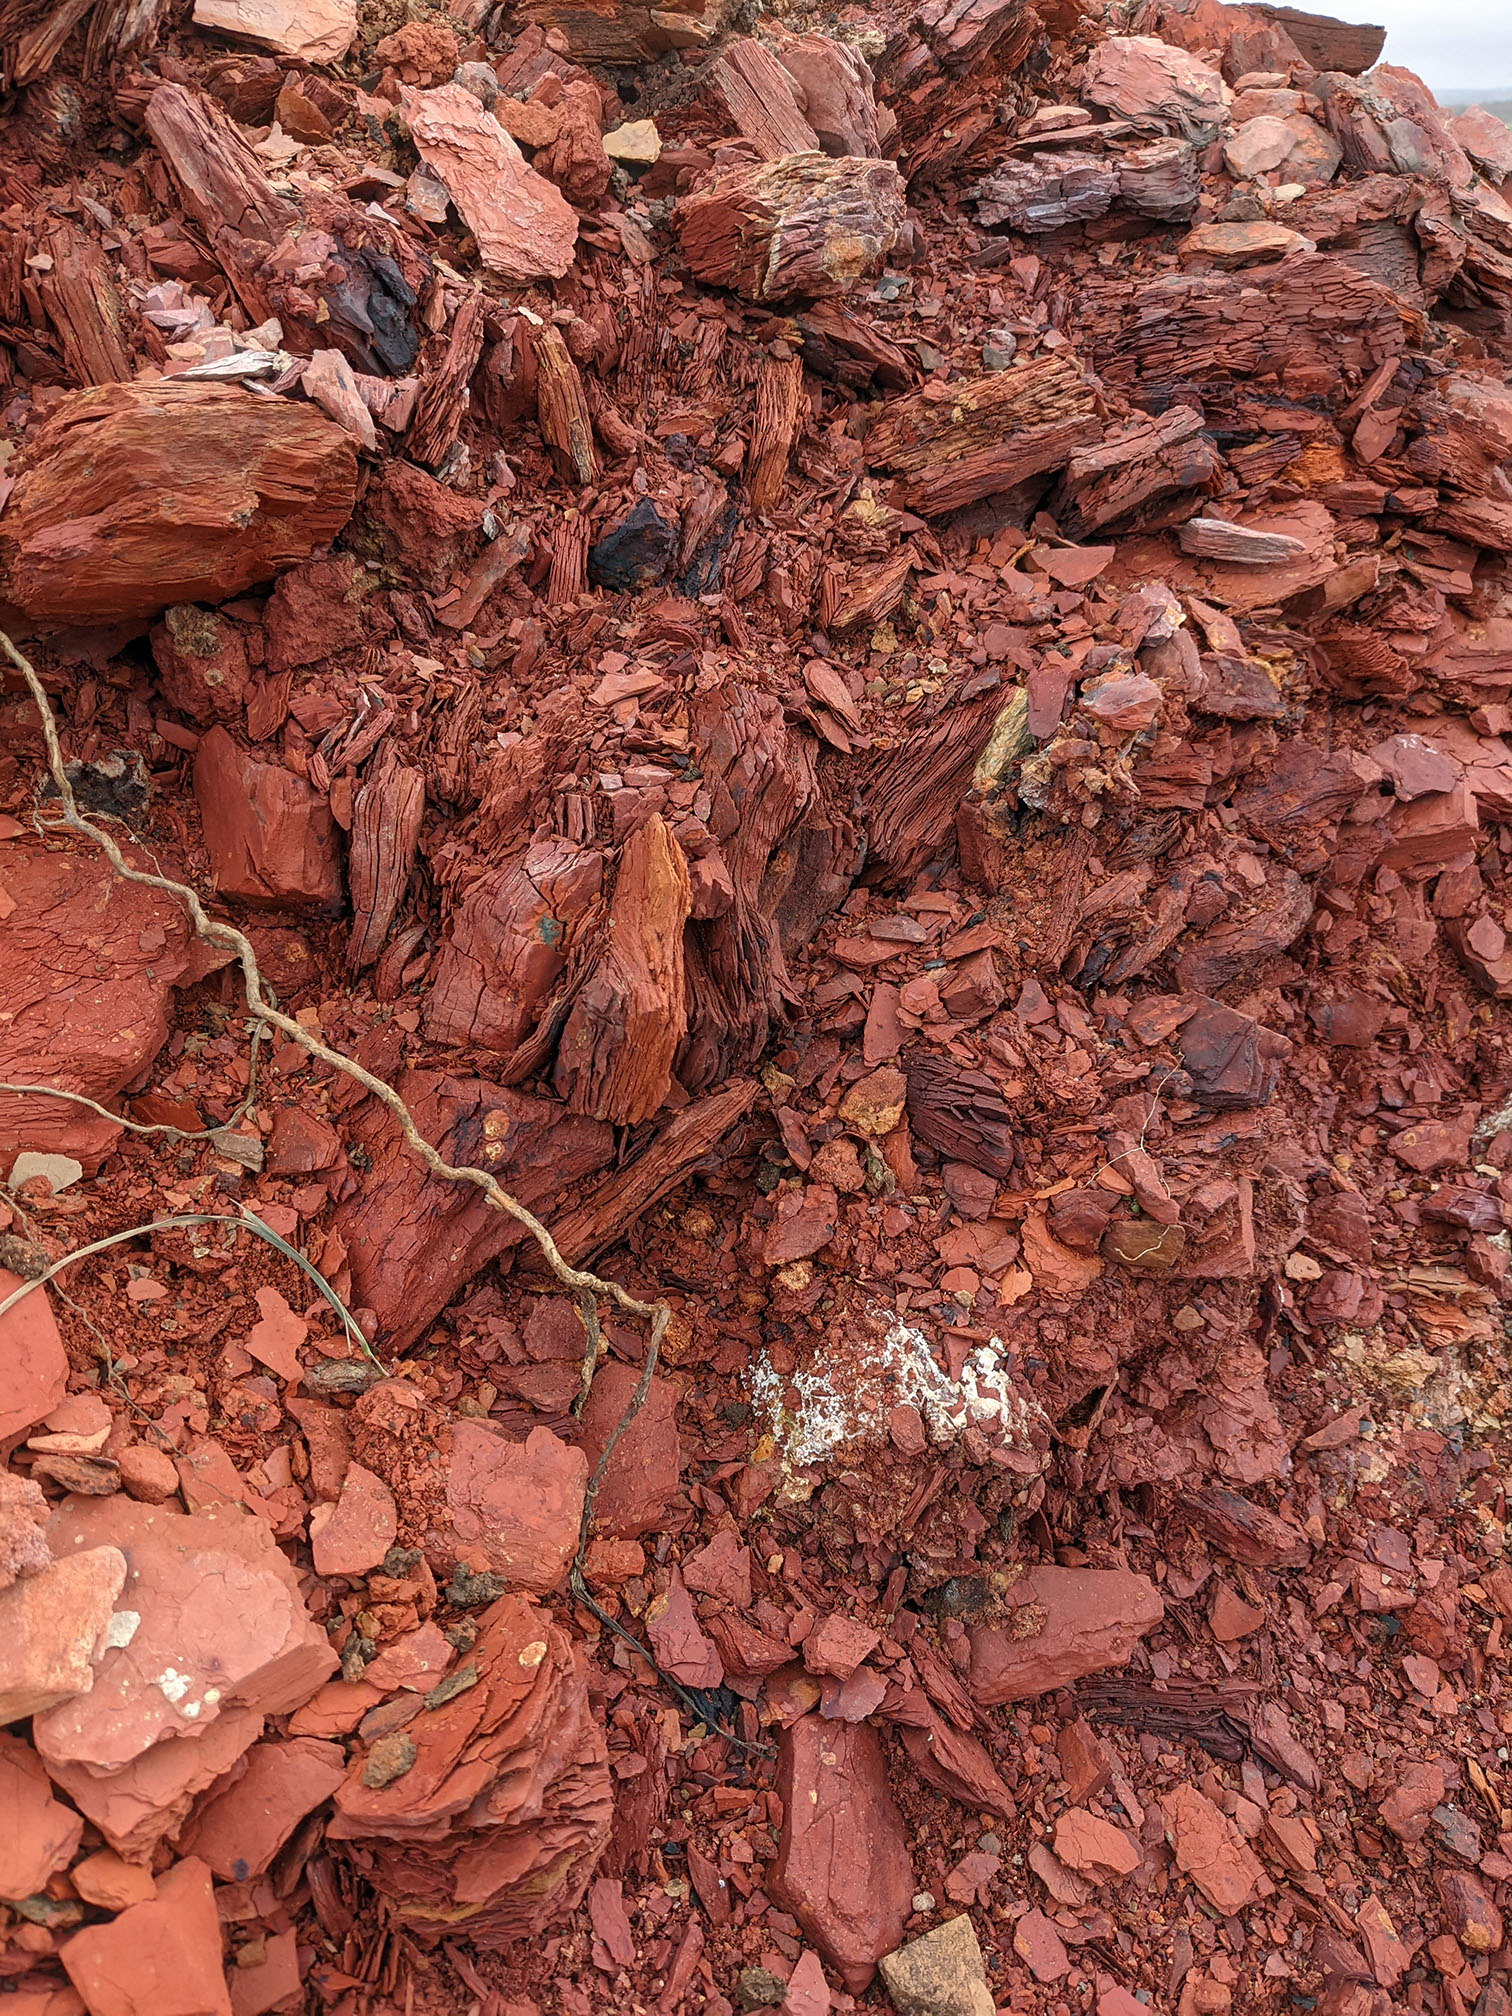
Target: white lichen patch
838	1401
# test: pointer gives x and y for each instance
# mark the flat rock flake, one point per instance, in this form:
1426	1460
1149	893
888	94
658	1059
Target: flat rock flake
875	667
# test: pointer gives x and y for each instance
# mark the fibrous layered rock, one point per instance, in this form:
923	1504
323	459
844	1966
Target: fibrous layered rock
493	1826
137	496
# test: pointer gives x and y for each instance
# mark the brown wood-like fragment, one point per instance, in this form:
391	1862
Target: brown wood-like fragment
758	95
614	1060
83	306
801	225
442	404
138	496
779	403
562	409
619	1201
386	816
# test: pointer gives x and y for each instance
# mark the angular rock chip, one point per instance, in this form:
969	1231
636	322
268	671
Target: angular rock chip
157	1959
51	1626
352	1536
313	31
89	962
269	834
1081	1620
40	1834
842	1866
512	1508
525	228
1210	1849
238	1829
642	1472
942	1974
219	1624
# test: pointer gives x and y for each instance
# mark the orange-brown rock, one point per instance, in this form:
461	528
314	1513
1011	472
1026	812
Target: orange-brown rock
508	945
137	496
804	224
270	835
495	1817
512	1508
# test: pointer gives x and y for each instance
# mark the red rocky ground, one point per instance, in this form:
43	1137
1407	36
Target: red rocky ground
872	660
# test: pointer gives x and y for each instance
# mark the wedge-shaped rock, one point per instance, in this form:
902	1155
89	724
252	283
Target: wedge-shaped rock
525	227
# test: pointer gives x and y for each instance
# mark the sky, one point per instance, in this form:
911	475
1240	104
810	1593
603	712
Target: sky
1453	45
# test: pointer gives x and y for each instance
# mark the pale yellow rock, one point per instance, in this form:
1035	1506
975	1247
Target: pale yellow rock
637	143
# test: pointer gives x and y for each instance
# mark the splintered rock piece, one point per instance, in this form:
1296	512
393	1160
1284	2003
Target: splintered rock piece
137	496
238	1831
40	1834
314	31
50	1627
353	1535
842	1866
801	225
1079	1620
270	835
512	1508
525	227
942	1974
34	1361
157	1959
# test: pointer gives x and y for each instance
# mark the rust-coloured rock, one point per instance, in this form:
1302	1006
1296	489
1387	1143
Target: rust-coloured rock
142	495
201	660
842	1866
269	834
525	228
89	964
242	1825
41	1834
413	1239
643	1469
512	1508
1210	1849
352	1535
35	1365
1081	1620
494	1830
157	1959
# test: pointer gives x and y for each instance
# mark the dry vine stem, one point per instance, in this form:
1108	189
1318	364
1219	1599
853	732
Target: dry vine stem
586	1288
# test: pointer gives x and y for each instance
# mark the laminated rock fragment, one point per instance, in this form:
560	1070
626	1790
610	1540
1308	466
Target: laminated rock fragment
802	225
137	496
525	227
496	1821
